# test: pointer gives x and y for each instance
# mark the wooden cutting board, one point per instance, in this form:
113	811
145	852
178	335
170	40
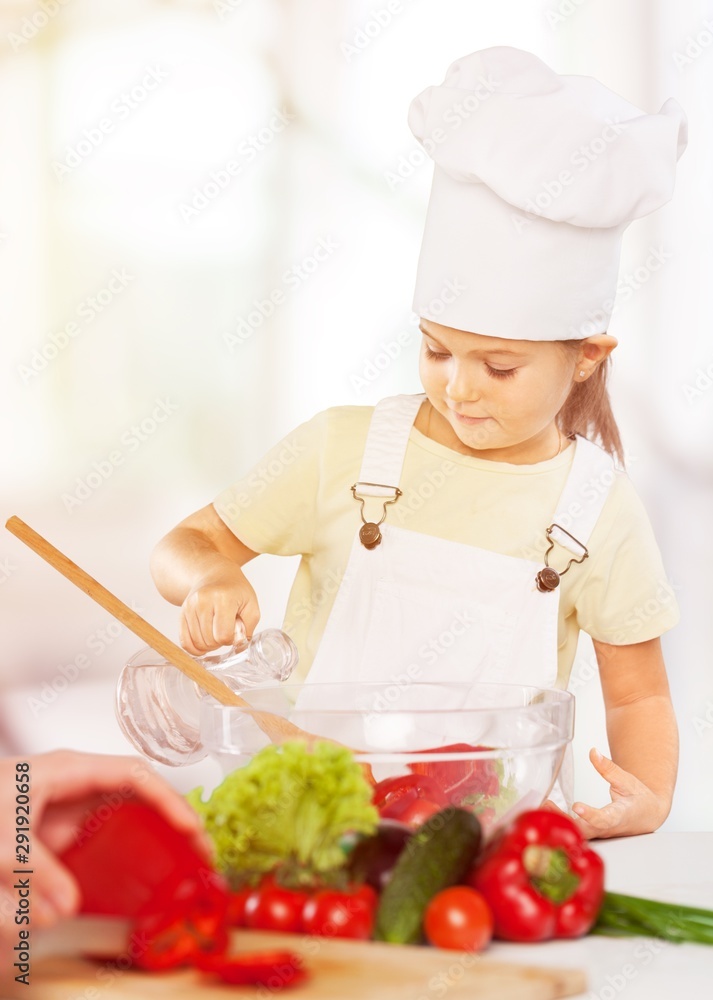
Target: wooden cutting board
341	970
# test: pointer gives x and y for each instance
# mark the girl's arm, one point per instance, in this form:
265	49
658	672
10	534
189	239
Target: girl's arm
198	565
643	739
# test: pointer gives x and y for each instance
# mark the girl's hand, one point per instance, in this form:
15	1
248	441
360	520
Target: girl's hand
220	602
634	807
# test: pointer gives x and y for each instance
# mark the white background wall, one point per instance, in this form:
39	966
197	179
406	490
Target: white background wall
220	70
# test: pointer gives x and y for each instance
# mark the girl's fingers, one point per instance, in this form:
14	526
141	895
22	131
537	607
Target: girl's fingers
196	642
185	635
594	822
250	615
551	806
621	781
586	813
224	625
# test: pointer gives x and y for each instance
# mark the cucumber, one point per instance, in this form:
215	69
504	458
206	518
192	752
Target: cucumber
437	855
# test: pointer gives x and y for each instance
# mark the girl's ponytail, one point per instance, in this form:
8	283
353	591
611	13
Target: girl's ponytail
587	410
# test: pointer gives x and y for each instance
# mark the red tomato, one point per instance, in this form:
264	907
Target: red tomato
417	812
367	892
458	918
341	914
272	908
236	907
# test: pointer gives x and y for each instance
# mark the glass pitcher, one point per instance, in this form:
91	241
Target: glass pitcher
159	709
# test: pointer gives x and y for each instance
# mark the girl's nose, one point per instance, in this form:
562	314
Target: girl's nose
462	387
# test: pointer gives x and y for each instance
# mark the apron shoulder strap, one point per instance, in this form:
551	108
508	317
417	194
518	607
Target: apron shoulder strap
584	495
386	442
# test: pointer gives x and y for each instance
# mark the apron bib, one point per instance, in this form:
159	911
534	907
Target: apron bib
417	608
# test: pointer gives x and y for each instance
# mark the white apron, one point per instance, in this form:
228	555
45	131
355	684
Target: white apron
428	609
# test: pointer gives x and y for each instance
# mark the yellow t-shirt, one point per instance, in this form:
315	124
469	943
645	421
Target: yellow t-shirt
297	500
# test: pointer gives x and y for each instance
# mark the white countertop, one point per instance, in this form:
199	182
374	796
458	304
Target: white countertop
671	867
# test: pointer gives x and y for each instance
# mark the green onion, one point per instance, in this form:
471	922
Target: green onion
626	916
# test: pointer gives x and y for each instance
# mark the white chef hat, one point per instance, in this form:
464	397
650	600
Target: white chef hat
536	177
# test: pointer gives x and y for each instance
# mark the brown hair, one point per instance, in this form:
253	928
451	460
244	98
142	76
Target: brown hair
587	409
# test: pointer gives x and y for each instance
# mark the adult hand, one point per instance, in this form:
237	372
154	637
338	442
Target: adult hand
65	786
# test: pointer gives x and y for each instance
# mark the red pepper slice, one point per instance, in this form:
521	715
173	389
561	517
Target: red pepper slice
459	780
184	931
393	796
274	969
540	879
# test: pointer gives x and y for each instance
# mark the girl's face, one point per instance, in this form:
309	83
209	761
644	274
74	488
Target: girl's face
494	398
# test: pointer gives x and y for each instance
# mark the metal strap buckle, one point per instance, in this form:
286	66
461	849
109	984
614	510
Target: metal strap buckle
369	533
548	579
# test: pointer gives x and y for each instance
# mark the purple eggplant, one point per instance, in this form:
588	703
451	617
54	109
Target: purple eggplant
372	860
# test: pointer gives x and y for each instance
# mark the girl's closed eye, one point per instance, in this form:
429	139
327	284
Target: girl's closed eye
493	372
435	354
500	372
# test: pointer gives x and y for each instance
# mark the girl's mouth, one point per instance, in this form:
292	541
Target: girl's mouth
469	420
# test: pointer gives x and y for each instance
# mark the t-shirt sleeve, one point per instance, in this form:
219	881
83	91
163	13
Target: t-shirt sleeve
273	507
626	596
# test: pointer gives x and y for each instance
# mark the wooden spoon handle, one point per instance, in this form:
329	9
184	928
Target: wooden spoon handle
126	615
277	728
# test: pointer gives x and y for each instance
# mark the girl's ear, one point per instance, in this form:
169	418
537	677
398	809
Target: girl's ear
592	352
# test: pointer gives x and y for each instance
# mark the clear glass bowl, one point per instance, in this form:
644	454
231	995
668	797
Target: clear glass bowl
501	745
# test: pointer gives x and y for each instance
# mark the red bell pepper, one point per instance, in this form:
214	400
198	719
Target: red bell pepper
540	879
133	860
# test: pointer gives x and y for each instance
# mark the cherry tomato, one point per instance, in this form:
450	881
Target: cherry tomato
341	914
236	907
458	918
416	813
367	893
272	908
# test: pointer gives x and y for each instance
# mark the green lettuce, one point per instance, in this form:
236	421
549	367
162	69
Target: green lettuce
287	810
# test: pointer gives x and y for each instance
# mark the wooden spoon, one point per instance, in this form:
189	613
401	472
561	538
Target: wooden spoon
277	728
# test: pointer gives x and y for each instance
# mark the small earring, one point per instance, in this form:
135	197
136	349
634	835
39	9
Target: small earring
582	374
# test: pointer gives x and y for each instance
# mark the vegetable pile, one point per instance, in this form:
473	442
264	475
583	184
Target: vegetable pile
305	844
287	811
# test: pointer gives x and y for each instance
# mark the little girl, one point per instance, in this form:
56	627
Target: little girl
469	532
